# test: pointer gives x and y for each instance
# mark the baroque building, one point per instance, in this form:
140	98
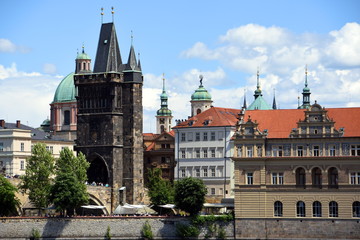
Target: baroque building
109	120
297	164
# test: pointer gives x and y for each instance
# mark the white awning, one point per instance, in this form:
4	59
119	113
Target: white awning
167	206
93	207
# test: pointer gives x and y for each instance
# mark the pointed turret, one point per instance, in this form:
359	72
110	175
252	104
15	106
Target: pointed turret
132	64
306	93
274	102
163	117
132	71
259	102
108	58
244	104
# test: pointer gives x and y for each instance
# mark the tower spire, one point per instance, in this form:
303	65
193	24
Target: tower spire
306	92
257	92
244	104
164	113
274	102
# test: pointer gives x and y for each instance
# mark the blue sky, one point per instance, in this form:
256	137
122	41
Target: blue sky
224	41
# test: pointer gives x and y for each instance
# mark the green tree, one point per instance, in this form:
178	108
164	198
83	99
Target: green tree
37	179
190	195
8	201
160	191
69	190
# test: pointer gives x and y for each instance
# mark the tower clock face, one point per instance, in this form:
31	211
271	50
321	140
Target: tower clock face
162	120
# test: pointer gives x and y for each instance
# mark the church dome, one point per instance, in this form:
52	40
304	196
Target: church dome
201	94
65	92
164	112
83	55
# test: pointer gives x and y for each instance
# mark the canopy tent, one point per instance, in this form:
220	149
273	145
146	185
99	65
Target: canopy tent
93	207
133	209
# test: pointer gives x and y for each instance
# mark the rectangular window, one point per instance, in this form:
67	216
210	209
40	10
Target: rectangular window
183	155
205	172
205	136
355	178
239	150
22	147
300	151
212	153
249	178
66	117
332	150
221	135
1	147
205	154
197	172
212	172
316	151
220	171
355	150
197	153
212	191
22	165
212	136
197	136
52	149
182	172
220	152
183	137
277	151
277	178
190	136
249	151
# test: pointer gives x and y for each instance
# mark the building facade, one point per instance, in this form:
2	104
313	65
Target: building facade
203	150
298	164
109	120
16	141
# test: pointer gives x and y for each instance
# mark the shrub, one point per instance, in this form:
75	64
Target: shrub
146	231
35	234
187	231
108	234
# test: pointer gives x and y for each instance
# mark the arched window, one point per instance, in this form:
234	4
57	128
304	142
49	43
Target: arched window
300	209
316	209
333	177
300	177
333	209
356	209
278	209
162	128
198	111
316	177
84	66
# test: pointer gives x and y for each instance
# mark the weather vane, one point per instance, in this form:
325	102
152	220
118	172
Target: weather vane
102	15
112	13
201	79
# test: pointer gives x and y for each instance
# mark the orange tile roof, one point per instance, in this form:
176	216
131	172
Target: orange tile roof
279	123
216	116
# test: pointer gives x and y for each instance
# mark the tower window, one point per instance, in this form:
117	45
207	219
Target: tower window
67	117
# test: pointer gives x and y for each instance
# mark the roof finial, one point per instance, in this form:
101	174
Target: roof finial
132	37
201	79
163	82
244	104
257	81
274	102
102	14
306	73
83	48
112	13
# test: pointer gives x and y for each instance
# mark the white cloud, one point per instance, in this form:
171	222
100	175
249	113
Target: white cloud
26	96
49	68
7	46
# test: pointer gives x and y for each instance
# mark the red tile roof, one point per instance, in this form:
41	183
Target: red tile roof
216	116
279	123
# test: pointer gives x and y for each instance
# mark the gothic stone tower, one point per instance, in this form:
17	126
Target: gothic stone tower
109	126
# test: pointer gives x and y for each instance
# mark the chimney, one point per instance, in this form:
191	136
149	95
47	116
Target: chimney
2	123
18	123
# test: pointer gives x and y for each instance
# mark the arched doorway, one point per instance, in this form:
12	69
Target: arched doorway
98	172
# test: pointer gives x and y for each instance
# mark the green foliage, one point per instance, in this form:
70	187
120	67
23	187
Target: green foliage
190	195
200	220
108	234
187	231
35	234
69	190
146	231
37	179
8	201
160	190
221	233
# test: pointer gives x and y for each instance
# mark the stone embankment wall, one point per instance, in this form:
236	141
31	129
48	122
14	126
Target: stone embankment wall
94	228
297	229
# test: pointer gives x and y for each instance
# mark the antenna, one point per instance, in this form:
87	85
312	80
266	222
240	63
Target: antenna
112	13
102	15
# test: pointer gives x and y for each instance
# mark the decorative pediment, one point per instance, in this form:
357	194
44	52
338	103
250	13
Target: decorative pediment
249	129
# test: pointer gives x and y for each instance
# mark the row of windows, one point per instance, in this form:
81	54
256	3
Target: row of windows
22	147
277	178
316	209
202	153
201	172
201	136
278	151
215	191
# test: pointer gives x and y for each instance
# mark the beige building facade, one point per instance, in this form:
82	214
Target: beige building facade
298	163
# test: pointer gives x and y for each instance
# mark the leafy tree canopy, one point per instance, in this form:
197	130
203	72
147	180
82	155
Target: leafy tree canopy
160	191
69	190
37	179
9	203
190	195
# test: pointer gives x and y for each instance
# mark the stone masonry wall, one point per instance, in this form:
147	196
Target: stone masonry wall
297	229
93	228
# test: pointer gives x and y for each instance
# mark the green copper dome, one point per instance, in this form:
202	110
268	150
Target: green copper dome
83	55
164	111
201	94
65	92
